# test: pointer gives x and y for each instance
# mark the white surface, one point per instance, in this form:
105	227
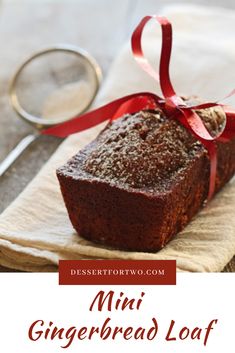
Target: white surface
193	302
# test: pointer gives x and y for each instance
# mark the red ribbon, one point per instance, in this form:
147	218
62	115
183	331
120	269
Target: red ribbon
171	104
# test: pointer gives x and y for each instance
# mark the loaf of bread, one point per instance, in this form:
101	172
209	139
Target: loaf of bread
142	180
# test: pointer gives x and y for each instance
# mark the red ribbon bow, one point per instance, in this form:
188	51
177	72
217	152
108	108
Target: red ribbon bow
172	104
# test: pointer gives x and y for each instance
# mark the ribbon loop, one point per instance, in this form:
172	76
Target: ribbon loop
136	43
164	77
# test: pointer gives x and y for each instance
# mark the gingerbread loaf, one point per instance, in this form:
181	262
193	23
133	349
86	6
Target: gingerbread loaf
142	180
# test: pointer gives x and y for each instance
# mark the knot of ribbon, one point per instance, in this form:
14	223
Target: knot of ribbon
171	104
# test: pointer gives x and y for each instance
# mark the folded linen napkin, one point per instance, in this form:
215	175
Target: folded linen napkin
35	231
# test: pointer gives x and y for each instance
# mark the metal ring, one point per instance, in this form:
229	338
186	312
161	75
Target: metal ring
40	122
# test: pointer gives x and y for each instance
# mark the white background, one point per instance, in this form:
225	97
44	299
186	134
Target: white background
194	301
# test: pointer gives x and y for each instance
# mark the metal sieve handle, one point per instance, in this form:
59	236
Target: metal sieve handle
16	152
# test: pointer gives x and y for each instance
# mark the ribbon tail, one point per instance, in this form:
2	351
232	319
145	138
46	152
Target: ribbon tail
128	104
212	151
188	119
229	132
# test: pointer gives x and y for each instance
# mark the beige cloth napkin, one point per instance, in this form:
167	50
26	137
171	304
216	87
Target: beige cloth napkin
35	231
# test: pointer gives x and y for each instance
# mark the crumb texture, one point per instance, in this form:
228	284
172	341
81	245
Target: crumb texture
142	150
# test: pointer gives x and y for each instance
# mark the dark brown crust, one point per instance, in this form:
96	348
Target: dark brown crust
143	217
